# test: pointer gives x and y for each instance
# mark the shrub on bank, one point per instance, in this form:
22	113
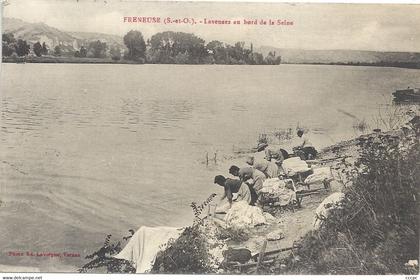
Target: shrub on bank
102	260
191	252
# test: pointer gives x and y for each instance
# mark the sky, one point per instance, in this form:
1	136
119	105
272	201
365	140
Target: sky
380	27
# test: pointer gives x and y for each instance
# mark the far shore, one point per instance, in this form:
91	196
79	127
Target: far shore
91	60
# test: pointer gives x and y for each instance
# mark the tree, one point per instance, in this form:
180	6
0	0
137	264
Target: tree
272	59
115	53
256	58
22	48
167	45
8	44
37	47
57	51
44	49
6	49
181	58
218	51
135	44
8	38
83	51
214	46
238	54
97	49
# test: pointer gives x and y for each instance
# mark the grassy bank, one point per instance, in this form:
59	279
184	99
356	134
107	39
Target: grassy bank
376	231
63	59
408	65
91	60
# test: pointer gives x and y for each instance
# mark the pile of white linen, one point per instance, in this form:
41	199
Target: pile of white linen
327	205
294	165
320	174
144	245
242	216
276	188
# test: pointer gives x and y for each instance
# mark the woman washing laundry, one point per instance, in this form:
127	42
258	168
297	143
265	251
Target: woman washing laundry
278	154
231	187
270	169
249	172
274	154
306	149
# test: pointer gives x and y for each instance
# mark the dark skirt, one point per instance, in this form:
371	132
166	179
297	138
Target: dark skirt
306	153
310	152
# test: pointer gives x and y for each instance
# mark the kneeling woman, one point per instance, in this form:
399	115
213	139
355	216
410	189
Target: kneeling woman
233	186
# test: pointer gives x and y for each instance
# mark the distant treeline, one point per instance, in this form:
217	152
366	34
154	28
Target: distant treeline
162	48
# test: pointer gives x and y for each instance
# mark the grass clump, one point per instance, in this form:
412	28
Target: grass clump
233	234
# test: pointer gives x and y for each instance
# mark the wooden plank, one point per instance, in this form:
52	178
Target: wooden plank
261	254
250	264
247	265
274	252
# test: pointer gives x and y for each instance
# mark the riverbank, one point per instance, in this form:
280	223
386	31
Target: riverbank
63	59
293	224
298	247
373	231
407	65
91	60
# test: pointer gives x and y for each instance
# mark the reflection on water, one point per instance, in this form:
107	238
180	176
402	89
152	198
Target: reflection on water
94	149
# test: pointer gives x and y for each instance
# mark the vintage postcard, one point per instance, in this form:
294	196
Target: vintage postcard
209	138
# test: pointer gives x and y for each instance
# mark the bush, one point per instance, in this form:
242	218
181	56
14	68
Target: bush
102	260
263	138
187	254
234	234
190	253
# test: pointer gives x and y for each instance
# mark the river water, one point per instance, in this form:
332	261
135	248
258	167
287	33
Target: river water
88	150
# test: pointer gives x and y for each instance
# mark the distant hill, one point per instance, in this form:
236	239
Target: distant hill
340	56
34	32
91	36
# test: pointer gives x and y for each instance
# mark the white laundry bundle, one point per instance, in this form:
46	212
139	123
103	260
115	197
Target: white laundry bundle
294	165
272	185
320	174
276	188
275	235
324	209
144	245
242	216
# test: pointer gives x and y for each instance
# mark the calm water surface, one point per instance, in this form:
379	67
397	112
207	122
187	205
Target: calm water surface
88	150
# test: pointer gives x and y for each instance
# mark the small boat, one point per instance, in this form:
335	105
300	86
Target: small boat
406	95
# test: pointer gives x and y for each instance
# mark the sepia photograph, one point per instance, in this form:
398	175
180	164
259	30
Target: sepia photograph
202	137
